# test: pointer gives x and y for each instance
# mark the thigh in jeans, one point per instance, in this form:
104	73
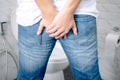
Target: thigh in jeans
34	52
81	50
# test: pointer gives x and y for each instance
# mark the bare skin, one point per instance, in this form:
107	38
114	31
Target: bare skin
57	23
48	13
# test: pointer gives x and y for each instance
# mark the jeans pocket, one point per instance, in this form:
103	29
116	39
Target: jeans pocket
27	36
85	24
70	35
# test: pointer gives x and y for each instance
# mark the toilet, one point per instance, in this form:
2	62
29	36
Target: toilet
58	60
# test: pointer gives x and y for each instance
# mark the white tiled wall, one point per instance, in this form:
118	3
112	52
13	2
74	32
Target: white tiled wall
109	18
6	7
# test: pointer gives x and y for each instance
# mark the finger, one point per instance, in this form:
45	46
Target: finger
61	35
40	29
74	29
50	27
56	33
53	30
65	36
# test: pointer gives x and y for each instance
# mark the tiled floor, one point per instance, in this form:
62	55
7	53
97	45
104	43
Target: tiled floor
108	19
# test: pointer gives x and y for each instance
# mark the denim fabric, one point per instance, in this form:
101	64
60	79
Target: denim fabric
81	50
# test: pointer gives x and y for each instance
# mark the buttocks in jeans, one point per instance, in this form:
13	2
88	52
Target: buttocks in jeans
81	50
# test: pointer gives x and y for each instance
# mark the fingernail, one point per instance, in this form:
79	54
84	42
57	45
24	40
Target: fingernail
56	38
65	37
46	31
76	34
50	36
38	33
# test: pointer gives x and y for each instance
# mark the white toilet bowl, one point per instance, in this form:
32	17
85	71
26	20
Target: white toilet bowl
58	60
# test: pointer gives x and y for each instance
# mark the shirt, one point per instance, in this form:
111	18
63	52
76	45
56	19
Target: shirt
28	13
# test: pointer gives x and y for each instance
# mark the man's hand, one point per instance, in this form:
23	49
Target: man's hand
46	21
61	25
64	20
57	24
48	13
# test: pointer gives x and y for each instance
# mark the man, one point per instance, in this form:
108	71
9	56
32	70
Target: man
72	22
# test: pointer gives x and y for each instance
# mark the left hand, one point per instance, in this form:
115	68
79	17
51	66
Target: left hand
61	25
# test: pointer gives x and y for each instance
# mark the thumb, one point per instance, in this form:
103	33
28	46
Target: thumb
74	29
40	29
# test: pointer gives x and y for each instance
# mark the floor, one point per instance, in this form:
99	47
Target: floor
108	22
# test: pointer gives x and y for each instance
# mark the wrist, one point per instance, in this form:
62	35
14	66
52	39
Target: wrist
45	6
67	12
71	6
47	13
48	10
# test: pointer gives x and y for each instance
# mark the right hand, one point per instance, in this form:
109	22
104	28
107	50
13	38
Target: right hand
61	25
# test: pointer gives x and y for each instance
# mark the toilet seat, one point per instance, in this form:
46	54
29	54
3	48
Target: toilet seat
57	54
57	58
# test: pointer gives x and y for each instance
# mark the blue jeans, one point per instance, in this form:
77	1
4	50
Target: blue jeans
81	50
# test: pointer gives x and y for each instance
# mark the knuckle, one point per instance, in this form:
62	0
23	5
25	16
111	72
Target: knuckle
62	29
